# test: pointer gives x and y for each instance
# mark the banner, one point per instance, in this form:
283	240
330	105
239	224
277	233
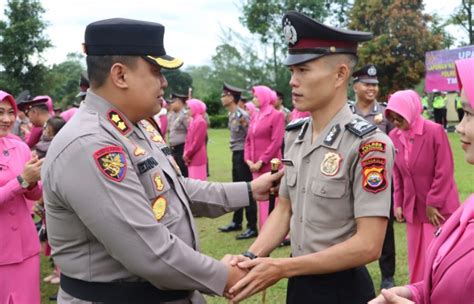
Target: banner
440	71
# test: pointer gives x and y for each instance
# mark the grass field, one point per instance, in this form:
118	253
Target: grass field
218	244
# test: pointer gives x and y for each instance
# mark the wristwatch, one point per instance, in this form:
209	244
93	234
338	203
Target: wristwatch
250	255
23	183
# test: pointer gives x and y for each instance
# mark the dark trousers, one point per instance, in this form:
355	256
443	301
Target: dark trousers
387	258
177	152
241	173
460	114
351	286
440	116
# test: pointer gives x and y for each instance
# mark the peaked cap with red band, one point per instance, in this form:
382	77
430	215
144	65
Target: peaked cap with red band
309	39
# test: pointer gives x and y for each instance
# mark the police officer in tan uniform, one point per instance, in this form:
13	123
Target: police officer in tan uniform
335	195
178	128
119	212
366	89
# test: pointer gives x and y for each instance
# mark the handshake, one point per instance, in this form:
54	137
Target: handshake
249	276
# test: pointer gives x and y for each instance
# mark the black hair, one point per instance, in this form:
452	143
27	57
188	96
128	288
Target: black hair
56	123
98	67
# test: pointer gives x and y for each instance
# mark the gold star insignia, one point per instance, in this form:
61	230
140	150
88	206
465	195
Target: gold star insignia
121	125
115	118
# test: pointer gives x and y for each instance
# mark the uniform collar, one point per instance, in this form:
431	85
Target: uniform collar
375	108
116	118
331	135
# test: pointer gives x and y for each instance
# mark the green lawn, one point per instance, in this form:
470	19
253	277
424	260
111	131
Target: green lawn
218	244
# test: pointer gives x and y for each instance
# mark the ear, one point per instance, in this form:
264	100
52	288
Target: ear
343	74
117	75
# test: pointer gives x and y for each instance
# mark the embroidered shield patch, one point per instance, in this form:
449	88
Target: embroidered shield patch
373	146
111	162
159	207
373	171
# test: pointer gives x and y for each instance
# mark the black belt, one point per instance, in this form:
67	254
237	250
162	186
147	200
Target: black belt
119	292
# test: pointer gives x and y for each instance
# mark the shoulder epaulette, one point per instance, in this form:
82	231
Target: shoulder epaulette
360	127
297	123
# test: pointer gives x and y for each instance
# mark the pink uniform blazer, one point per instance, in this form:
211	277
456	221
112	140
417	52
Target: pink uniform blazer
195	144
452	281
265	137
18	237
429	177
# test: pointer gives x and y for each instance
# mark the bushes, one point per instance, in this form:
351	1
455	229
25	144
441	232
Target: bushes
219	121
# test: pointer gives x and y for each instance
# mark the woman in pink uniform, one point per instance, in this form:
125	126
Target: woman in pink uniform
19	244
195	154
264	139
425	193
449	266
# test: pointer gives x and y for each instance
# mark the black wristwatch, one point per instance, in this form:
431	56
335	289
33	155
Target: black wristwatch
250	255
23	183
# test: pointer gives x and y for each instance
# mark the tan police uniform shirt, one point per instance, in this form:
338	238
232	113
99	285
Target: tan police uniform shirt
178	127
338	178
376	116
118	210
238	125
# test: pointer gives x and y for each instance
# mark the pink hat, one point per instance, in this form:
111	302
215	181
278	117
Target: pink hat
196	106
465	75
406	103
265	96
5	96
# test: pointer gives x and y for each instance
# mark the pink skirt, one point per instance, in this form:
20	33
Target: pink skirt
263	206
198	172
419	237
20	282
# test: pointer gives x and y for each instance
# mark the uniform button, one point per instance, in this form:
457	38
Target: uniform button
301	219
303	189
14	227
323	191
299	247
12	211
307	160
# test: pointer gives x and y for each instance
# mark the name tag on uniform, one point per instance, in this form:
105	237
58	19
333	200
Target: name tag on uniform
287	162
147	165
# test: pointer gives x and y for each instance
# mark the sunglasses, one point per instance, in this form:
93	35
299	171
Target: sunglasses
394	117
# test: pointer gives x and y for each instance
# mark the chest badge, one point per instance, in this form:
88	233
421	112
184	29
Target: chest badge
378	118
158	182
111	162
159	207
331	164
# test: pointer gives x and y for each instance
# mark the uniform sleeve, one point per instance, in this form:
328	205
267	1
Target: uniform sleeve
278	132
444	170
372	176
119	215
215	199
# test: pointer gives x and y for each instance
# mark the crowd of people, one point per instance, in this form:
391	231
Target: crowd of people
349	168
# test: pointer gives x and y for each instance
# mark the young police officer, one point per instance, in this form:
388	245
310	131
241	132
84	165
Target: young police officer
335	195
118	209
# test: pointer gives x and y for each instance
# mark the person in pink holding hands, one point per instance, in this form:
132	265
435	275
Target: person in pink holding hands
264	139
425	193
195	154
449	267
20	247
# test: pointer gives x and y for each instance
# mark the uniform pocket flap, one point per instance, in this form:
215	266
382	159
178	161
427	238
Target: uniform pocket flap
329	188
291	179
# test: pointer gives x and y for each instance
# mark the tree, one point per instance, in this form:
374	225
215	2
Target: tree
178	81
22	43
401	39
464	17
63	80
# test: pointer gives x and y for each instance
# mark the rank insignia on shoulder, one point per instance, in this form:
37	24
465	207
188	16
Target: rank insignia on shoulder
111	162
373	146
360	127
159	207
332	135
118	121
158	182
331	164
297	123
373	171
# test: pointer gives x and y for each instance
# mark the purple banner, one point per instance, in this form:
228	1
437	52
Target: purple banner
440	71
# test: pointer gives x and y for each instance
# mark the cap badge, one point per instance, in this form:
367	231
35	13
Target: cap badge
290	32
331	163
372	71
159	207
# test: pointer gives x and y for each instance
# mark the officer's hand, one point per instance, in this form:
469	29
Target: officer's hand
263	185
234	275
264	272
233	260
434	216
399	214
396	295
32	171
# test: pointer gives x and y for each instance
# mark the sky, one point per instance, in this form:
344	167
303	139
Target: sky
193	27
